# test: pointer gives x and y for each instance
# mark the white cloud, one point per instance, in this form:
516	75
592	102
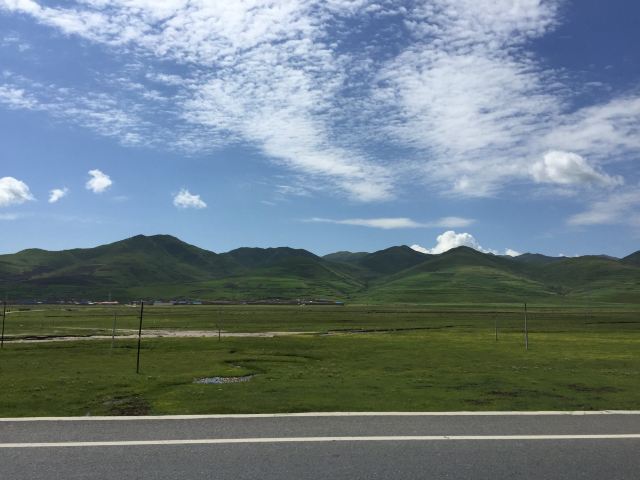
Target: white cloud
452	82
57	193
185	199
102	112
512	253
384	223
618	208
567	168
9	216
604	131
13	192
450	239
397	222
264	76
16	98
470	96
451	222
99	181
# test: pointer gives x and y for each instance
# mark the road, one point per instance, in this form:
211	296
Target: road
550	445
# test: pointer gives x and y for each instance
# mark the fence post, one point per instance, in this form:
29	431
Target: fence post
139	336
113	330
526	330
4	314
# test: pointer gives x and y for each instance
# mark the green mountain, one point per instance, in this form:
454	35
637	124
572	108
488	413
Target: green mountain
391	260
345	257
265	257
162	266
633	259
537	259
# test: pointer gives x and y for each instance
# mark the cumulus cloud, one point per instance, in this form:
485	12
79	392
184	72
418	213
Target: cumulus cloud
450	239
185	199
397	222
567	168
99	181
57	193
14	192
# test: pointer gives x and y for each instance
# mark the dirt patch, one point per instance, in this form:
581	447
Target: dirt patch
339	331
129	405
477	401
504	393
222	380
151	334
576	387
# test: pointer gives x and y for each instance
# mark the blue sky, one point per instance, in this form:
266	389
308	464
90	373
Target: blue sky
506	125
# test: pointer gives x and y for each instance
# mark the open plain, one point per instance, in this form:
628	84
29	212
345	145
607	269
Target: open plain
347	358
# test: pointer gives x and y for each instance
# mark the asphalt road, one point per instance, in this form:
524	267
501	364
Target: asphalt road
354	446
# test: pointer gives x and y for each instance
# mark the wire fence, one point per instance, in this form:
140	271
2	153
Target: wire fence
39	322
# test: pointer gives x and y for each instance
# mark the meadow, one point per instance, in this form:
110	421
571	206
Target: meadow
351	358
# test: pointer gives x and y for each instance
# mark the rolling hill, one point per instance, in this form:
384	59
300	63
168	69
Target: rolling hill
162	266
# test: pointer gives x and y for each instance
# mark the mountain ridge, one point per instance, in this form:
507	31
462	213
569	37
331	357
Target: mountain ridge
164	266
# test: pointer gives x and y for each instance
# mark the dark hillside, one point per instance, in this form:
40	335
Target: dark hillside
162	266
391	260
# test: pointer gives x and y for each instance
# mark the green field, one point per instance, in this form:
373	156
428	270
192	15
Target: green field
25	321
436	357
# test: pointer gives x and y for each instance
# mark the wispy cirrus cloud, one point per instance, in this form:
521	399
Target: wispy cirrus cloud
621	208
274	75
482	109
453	83
396	222
16	98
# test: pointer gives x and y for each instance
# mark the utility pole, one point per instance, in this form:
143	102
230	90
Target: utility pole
113	330
4	315
526	330
139	336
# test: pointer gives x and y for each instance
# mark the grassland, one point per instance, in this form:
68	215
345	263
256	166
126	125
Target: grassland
437	357
24	321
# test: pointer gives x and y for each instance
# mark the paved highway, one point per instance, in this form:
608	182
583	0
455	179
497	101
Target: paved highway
551	445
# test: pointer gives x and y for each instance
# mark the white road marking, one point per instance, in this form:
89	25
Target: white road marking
320	414
224	441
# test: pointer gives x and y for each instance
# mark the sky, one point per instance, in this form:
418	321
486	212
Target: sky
509	126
